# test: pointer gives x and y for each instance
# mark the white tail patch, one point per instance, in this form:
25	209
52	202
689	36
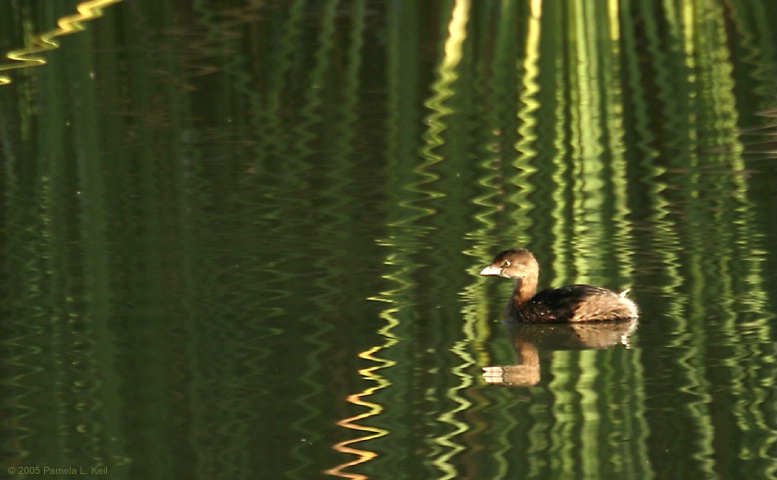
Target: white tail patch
623	293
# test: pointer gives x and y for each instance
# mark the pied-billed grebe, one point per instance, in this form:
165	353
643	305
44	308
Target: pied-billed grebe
575	303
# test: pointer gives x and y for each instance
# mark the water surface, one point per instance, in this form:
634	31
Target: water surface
241	240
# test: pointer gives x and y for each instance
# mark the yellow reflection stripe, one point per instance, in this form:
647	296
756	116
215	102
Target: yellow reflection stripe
374	409
28	56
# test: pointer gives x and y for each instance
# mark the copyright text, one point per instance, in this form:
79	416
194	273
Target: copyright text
48	470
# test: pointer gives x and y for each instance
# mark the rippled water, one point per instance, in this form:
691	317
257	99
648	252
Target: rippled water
242	240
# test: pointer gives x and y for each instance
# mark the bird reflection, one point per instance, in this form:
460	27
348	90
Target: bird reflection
527	338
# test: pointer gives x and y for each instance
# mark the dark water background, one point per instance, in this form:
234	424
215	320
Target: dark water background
241	239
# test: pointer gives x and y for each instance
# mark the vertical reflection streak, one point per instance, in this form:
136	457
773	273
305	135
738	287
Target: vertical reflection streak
563	221
617	173
590	412
562	440
29	56
443	461
345	138
373	409
443	90
306	132
527	120
587	133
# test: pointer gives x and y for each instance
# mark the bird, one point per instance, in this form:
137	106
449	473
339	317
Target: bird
573	303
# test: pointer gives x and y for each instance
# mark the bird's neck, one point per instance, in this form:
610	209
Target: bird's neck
525	289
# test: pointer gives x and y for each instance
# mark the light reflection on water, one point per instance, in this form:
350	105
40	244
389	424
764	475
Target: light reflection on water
253	253
39	43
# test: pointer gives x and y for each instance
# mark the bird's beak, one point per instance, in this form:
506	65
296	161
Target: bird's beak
491	270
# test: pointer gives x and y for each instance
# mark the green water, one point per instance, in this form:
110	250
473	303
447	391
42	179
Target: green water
241	239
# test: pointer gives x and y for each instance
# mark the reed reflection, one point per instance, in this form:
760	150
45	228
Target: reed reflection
29	56
528	339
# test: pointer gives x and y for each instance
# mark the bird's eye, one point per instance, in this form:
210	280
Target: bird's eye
506	264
